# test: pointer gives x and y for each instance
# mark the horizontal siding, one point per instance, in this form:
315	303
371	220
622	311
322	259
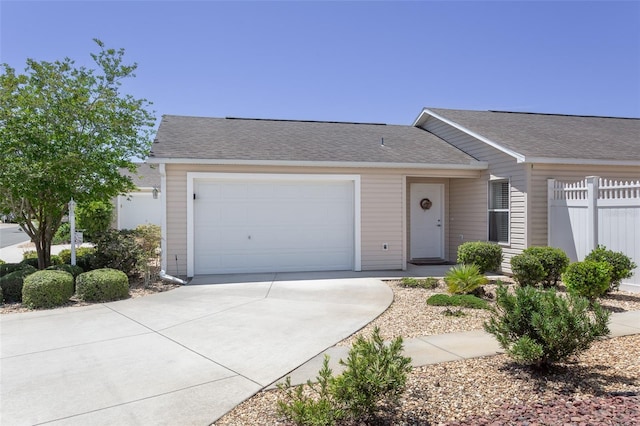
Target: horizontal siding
382	210
469	199
568	173
381	221
467	213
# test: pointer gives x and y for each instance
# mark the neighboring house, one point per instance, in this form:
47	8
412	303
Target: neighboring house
251	195
142	206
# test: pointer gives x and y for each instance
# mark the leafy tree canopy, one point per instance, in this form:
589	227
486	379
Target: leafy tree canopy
64	133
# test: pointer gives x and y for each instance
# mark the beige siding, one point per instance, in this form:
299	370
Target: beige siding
381	221
568	173
467	213
468	200
383	217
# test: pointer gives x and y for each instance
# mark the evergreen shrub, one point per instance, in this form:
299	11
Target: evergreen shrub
12	283
102	285
539	327
527	269
374	378
554	262
587	279
462	300
486	256
621	265
47	289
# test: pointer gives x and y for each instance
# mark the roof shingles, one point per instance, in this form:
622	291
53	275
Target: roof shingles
194	138
552	135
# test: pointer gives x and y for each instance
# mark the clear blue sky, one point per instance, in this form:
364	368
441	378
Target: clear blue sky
349	61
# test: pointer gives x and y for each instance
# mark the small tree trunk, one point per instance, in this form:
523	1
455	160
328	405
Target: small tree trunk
43	248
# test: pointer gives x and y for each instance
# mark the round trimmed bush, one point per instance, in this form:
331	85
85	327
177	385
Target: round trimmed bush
554	261
587	279
486	256
47	289
621	265
527	269
102	285
12	282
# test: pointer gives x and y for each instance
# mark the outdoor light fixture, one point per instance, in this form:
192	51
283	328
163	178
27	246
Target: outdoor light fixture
155	193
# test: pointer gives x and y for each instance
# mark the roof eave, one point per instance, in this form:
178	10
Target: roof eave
473	165
426	113
579	161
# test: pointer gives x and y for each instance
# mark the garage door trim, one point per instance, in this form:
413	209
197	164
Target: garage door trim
266	177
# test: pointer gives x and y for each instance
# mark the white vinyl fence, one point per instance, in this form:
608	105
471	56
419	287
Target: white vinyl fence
595	211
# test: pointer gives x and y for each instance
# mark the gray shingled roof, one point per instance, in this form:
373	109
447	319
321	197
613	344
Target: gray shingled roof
147	175
199	138
554	136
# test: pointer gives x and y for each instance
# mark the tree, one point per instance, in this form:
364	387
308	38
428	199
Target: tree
64	133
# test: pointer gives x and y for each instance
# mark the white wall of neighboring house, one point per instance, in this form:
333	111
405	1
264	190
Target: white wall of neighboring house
138	208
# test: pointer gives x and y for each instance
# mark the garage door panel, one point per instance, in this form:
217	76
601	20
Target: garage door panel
270	226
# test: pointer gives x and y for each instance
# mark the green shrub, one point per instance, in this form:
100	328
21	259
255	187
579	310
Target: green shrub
63	234
375	376
554	262
428	283
31	261
2	262
12	282
7	268
486	256
148	237
73	270
463	300
464	279
621	265
527	269
587	279
30	257
84	257
316	406
102	285
1	297
539	327
47	289
118	250
94	218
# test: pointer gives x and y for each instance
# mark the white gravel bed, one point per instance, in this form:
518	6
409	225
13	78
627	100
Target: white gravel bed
458	390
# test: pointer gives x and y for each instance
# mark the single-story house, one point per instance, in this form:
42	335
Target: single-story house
260	195
142	206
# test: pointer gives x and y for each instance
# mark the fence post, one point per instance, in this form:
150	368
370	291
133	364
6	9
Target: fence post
592	212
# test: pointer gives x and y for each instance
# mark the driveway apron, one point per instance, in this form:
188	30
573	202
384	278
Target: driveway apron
183	357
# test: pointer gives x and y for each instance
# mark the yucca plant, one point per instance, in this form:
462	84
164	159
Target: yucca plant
464	279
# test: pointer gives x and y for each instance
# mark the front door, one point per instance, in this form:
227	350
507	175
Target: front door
426	220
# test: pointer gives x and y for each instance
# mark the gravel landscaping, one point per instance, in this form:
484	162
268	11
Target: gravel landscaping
600	387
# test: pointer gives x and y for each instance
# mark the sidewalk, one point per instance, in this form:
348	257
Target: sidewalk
14	253
447	347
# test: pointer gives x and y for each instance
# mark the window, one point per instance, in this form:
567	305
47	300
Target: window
499	211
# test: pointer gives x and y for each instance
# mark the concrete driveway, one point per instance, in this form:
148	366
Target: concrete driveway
182	357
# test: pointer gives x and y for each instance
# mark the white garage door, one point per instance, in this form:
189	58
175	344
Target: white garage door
273	226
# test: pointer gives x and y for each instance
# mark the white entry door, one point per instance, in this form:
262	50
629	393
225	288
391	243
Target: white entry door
426	220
